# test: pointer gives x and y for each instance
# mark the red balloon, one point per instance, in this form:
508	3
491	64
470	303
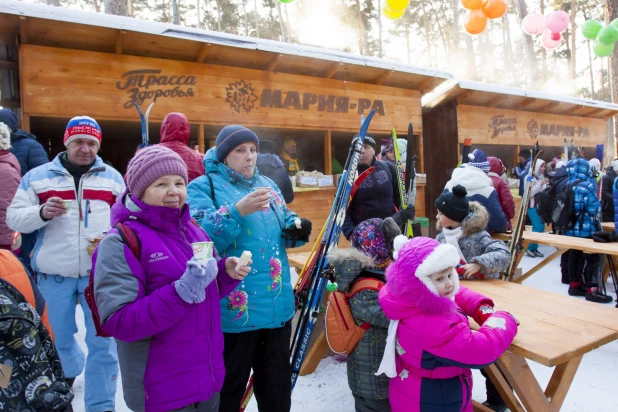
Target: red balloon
556	36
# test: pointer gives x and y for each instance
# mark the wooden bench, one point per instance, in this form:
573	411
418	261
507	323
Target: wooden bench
555	331
561	243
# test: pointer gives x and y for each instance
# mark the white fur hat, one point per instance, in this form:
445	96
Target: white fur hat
5	137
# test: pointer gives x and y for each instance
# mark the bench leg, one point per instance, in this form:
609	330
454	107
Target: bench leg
527	388
541	265
560	382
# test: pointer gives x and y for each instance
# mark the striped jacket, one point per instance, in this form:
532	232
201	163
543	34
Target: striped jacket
62	243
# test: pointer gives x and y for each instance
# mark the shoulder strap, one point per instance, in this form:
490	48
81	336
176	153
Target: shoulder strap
364	284
212	191
129	239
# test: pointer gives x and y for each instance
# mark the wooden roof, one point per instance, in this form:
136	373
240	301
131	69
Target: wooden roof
504	97
64	28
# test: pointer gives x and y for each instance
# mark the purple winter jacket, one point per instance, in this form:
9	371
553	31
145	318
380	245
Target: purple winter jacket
170	352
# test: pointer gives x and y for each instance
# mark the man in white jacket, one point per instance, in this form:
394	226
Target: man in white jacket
68	201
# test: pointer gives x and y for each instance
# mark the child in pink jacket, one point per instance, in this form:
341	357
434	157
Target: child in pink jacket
430	347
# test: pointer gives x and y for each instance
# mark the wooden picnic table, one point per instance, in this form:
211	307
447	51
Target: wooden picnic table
555	331
561	243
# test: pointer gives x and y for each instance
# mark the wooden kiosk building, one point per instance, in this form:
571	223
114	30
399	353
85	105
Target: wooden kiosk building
60	63
501	121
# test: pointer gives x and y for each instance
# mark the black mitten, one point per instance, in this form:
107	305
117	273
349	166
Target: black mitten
295	234
602	237
404	215
390	231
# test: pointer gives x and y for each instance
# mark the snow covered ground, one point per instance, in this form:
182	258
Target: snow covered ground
327	390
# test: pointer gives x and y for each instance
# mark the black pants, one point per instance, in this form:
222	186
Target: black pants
493	396
267	352
371	405
584	267
564	266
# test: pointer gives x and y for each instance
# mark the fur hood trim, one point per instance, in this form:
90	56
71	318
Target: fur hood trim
338	256
475	222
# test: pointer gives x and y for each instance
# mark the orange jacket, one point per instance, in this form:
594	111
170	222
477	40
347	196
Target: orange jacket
12	271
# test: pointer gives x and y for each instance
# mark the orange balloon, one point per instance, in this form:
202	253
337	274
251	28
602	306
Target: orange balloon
475	22
494	9
472	4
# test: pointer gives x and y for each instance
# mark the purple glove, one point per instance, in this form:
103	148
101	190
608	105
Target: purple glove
191	287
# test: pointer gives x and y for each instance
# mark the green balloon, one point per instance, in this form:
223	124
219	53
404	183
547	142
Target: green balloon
614	23
601	50
591	28
608	35
286	1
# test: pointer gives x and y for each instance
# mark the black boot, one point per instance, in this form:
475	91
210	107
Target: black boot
70	381
595	295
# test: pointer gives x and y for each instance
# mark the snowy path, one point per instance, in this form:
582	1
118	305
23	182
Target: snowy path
327	389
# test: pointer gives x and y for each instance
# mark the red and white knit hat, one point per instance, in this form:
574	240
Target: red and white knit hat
82	127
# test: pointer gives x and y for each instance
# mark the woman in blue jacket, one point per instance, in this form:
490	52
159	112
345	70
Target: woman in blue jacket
243	210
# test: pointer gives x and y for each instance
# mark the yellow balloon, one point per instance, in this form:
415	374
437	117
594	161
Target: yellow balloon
396	5
392	15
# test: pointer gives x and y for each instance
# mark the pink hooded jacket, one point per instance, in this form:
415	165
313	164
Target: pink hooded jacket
505	197
435	346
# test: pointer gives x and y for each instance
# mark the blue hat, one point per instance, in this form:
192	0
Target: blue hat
231	136
478	159
8	118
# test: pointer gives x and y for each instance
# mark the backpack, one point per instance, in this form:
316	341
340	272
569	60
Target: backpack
563	215
342	332
544	201
135	246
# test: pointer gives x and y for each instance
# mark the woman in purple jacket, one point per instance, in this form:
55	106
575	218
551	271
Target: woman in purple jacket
163	306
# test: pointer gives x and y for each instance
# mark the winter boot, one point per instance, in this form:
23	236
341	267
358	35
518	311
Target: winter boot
498	408
595	295
70	381
530	253
538	254
577	290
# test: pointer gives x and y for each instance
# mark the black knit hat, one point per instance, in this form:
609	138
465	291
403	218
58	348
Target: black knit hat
454	205
231	136
525	153
368	140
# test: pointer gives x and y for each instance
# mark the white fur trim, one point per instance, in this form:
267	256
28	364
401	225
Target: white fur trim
398	243
442	257
5	137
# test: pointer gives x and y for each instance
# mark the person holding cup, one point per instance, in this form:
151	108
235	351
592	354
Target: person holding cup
163	306
244	210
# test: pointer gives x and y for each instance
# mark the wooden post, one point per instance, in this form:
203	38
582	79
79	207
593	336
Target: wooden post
516	156
328	162
200	138
25	121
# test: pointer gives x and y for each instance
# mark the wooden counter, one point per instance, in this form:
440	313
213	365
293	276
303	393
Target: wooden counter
315	205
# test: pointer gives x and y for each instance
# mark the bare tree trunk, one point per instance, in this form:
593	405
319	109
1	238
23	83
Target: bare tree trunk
199	15
362	33
592	94
522	12
244	11
218	16
407	28
573	41
379	18
426	24
287	25
175	12
508	50
472	69
543	51
283	33
116	7
611	14
257	23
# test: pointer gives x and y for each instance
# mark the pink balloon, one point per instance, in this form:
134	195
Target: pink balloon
558	21
548	42
533	23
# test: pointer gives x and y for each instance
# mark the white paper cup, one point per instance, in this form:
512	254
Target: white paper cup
68	204
202	250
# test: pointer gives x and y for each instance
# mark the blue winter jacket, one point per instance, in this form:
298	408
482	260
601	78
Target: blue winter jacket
28	151
586	201
615	192
264	299
522	172
480	188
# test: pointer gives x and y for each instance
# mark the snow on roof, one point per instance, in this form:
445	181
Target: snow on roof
453	89
207	36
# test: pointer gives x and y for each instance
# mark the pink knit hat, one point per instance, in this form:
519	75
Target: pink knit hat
151	163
